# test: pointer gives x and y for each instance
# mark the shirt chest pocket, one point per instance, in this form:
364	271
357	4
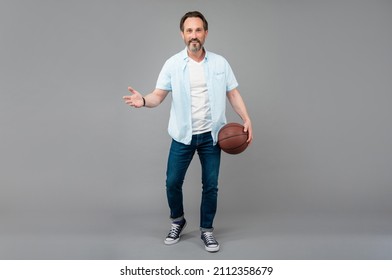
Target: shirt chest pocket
219	76
219	81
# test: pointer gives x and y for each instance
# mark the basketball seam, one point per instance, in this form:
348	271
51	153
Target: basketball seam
231	136
227	149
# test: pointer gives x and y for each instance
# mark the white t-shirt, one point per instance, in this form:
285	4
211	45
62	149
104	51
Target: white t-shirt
201	112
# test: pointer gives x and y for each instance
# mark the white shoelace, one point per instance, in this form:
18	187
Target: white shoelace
210	239
173	233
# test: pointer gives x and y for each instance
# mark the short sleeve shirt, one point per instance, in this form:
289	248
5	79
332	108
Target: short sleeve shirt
174	77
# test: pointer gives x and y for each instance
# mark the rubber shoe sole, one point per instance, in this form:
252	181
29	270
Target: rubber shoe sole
212	249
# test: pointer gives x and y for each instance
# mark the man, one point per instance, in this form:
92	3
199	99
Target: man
199	82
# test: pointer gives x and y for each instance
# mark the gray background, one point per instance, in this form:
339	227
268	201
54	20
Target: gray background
82	174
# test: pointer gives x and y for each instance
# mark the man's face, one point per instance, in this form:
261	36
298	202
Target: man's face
194	34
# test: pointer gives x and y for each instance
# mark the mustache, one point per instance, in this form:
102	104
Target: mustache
194	41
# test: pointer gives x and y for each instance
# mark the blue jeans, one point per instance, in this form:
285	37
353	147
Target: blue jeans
180	157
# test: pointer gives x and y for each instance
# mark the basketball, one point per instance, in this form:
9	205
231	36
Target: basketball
232	138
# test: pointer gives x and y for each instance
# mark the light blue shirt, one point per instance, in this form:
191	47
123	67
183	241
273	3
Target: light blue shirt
174	77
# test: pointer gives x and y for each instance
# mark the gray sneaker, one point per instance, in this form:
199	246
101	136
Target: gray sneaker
174	234
210	243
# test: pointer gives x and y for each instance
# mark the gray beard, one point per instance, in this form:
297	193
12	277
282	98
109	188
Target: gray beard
195	47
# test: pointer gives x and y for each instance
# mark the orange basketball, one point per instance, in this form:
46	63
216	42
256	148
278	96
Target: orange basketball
232	138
